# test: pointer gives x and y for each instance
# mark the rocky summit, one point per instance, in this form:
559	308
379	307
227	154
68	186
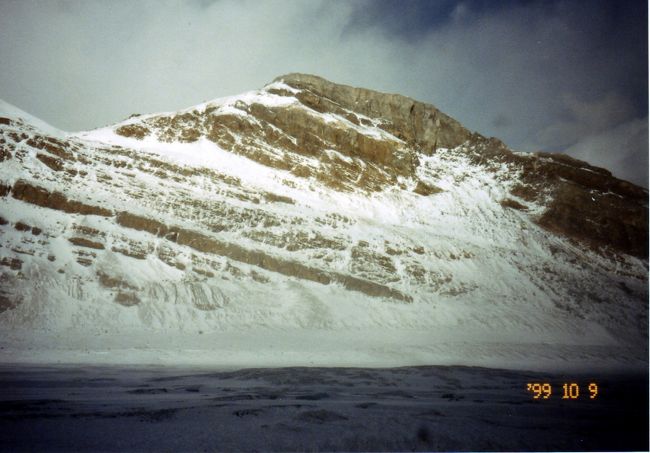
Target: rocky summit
341	220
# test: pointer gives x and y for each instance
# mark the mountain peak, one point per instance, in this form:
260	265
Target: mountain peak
352	139
416	122
313	205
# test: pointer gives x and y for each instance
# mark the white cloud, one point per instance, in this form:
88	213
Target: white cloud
622	149
532	74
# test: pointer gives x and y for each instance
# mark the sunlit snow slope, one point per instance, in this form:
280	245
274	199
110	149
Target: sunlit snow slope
313	223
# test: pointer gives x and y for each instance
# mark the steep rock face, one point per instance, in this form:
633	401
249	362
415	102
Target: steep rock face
379	135
311	117
421	125
582	202
278	130
309	204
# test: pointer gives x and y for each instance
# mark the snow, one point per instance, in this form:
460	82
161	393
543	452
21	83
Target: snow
224	105
315	409
293	322
483	302
240	346
280	85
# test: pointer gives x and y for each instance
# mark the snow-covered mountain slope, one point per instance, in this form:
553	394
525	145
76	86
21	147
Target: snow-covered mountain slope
310	222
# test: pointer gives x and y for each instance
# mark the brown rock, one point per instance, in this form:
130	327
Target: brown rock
5	153
20	226
424	189
600	220
127	299
587	203
275	198
8	302
513	204
12	263
206	244
52	162
133	130
53	146
83	242
113	282
416	122
372	288
39	196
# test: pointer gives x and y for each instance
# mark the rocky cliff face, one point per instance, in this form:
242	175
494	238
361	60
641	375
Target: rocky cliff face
314	116
313	205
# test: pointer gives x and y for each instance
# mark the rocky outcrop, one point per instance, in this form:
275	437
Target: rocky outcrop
372	193
421	125
584	202
314	136
293	133
424	189
83	242
369	161
24	191
601	220
204	243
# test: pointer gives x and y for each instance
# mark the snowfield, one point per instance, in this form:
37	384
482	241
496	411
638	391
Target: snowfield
483	285
316	409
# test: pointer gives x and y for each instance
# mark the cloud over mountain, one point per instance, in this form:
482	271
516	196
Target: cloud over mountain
519	71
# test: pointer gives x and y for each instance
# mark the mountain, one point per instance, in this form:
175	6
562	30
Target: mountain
312	222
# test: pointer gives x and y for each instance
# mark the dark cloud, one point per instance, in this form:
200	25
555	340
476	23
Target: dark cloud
564	72
622	149
501	121
549	75
411	20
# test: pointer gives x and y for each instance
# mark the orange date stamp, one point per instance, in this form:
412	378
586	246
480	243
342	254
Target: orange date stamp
568	391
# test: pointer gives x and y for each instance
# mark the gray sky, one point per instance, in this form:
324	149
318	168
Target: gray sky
541	75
